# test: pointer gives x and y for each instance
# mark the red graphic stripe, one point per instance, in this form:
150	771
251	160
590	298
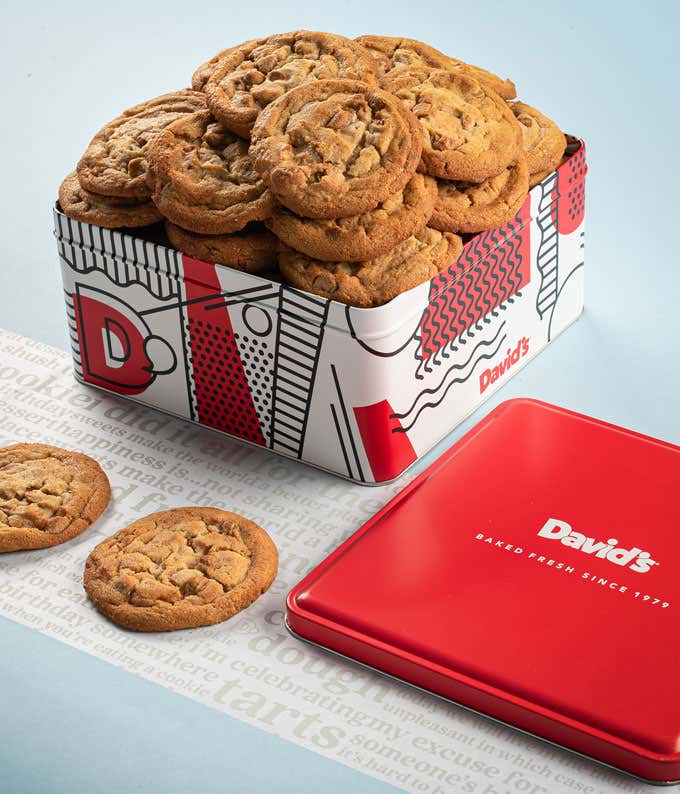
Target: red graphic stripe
223	397
493	267
388	453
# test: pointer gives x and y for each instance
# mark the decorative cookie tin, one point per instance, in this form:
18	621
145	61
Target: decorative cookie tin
360	392
531	574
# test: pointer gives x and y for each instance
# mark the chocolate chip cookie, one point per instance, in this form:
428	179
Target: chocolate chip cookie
396	53
469	132
467	207
47	495
335	148
201	76
114	164
364	236
252	250
111	212
372	283
203	178
246	81
543	141
181	568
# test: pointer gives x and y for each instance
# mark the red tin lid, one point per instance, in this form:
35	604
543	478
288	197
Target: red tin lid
532	573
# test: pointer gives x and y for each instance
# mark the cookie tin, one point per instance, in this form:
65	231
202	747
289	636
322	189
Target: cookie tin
362	393
531	574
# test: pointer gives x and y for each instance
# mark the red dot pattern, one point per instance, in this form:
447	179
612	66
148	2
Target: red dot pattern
570	193
222	393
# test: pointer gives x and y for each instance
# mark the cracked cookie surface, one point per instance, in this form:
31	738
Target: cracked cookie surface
112	212
372	283
364	236
543	141
203	178
180	568
467	207
252	250
391	53
469	132
114	164
243	83
335	148
204	72
47	495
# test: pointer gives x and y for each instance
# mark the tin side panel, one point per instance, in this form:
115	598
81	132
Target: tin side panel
362	392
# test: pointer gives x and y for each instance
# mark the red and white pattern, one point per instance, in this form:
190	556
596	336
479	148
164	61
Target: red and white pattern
362	393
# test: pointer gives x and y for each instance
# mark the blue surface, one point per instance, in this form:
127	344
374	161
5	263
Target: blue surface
607	72
73	724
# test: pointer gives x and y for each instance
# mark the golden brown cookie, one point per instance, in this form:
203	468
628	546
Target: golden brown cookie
372	283
114	164
203	178
112	212
573	145
469	132
335	148
539	176
364	236
205	70
252	250
181	568
543	141
467	207
246	81
395	53
47	495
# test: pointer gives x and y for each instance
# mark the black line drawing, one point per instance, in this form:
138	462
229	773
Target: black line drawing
547	257
447	384
340	438
453	368
78	251
348	427
564	283
301	321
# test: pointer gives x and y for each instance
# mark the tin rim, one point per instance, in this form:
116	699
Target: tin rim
485	716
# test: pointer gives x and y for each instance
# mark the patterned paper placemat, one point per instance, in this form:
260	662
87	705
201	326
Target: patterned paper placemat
249	667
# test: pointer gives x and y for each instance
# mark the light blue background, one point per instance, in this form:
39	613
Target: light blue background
607	72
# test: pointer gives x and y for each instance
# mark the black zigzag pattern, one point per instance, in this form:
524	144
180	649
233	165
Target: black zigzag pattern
475	288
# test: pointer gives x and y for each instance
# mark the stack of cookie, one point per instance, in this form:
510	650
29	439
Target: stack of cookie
350	166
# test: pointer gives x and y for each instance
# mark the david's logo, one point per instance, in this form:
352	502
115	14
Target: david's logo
636	559
512	356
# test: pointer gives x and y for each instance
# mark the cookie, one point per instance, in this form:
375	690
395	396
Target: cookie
114	164
543	141
47	495
335	148
372	283
252	250
538	177
112	212
203	178
364	236
395	53
468	207
246	81
181	568
469	132
201	76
